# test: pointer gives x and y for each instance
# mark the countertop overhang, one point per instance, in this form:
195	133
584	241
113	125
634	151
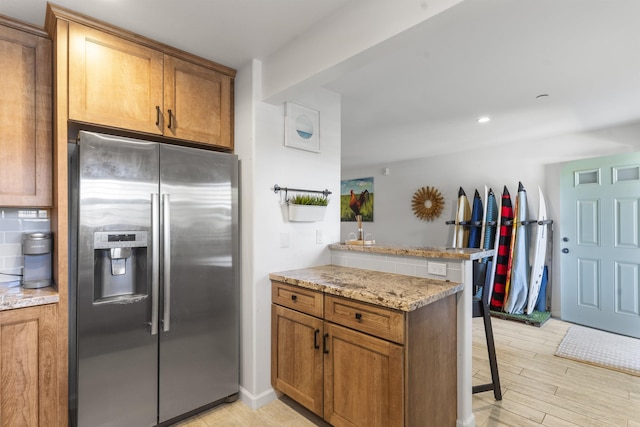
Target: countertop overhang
423	252
397	291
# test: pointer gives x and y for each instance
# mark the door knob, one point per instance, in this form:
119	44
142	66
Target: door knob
565	251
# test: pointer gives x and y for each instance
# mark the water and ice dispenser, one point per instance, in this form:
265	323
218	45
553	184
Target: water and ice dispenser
120	265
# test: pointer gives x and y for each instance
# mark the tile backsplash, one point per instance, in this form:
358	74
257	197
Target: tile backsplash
399	264
13	223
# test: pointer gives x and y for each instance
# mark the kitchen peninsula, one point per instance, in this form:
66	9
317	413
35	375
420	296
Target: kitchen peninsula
380	312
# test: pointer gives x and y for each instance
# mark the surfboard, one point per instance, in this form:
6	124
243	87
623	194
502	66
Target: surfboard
519	286
475	228
512	243
541	304
483	229
539	248
456	221
502	252
463	215
490	242
490	218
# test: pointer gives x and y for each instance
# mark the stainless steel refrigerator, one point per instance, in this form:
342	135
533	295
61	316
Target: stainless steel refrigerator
154	281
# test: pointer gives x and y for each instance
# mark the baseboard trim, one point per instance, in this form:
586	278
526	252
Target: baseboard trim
469	422
255	401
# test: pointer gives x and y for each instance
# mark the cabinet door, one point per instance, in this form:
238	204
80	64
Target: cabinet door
296	356
197	103
114	82
28	342
25	113
363	380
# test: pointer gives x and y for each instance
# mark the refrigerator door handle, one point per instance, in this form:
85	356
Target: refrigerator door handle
166	239
155	261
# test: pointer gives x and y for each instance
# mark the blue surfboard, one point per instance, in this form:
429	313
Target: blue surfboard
475	229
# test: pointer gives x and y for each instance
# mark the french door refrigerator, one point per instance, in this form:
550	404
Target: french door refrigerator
154	324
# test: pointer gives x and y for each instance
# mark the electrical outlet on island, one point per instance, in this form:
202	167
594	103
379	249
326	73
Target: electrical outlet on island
437	268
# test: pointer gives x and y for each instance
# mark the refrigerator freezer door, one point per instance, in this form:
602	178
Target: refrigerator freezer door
116	353
199	345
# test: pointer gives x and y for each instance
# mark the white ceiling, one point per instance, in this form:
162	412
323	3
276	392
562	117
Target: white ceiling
230	32
481	57
494	57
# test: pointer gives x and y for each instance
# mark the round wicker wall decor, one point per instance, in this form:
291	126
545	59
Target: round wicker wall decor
427	203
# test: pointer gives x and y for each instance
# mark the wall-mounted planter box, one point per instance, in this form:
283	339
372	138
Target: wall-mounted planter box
306	213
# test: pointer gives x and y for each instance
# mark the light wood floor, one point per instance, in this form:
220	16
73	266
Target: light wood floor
538	388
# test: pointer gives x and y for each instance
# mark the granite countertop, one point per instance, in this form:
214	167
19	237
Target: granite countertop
17	297
424	252
391	290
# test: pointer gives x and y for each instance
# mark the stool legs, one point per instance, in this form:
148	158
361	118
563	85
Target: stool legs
493	362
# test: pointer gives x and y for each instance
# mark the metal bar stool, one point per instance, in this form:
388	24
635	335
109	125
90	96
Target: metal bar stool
481	309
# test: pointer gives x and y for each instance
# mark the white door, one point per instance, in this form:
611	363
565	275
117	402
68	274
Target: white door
600	243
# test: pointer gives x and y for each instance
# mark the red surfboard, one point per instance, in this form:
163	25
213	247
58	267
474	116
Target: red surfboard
502	258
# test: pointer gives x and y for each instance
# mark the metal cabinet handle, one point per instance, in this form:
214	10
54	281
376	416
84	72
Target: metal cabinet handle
166	276
294	298
155	262
565	251
157	115
325	348
170	120
359	316
315	339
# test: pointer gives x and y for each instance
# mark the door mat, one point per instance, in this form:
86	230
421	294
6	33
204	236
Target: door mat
602	349
537	318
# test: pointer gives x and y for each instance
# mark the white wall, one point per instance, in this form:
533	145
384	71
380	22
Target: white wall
266	162
535	163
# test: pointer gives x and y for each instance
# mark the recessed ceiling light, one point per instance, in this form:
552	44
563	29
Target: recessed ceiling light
484	119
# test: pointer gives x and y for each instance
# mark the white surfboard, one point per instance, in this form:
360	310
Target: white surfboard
483	230
518	284
496	243
463	214
538	254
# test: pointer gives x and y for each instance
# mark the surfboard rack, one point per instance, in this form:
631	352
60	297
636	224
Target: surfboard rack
493	223
277	188
468	223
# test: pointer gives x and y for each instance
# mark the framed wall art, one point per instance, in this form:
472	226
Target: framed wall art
301	127
356	198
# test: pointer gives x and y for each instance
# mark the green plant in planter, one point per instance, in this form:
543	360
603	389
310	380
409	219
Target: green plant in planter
306	199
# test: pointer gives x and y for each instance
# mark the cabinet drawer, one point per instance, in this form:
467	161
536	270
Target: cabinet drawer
381	322
297	298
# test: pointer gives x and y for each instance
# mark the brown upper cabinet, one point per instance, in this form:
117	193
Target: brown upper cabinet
25	114
113	82
121	80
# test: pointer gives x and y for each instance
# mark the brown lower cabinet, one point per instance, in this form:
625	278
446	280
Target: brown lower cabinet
358	364
28	345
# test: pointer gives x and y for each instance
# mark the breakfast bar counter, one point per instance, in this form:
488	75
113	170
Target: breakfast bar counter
417	251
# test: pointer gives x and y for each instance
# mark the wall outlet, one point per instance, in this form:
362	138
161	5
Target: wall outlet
318	237
284	240
30	214
437	268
